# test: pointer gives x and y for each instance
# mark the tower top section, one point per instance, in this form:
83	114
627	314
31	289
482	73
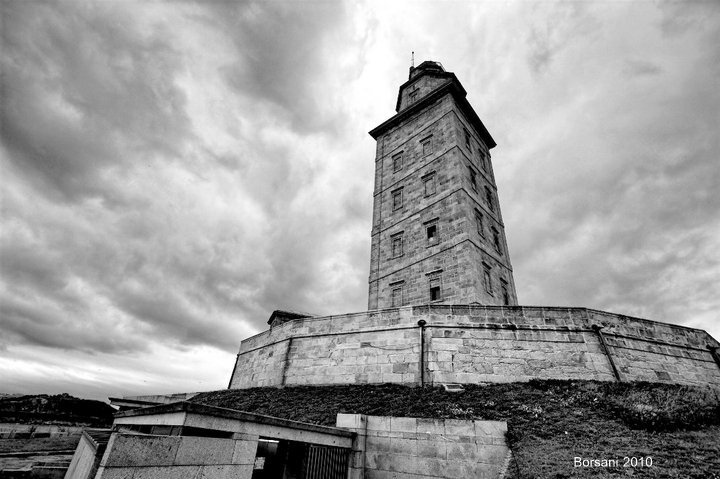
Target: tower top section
426	84
426	66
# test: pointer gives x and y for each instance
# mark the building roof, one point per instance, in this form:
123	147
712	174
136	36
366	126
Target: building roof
197	409
133	402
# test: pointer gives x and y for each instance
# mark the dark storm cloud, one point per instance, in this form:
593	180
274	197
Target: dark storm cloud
164	314
280	50
23	265
552	28
679	18
299	246
627	212
31	321
83	92
89	96
641	67
92	108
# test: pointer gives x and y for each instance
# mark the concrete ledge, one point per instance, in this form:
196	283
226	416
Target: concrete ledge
232	414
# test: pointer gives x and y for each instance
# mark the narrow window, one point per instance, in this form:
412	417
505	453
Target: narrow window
489	199
479	223
431	233
435	289
467	138
505	294
488	279
427	146
473	179
397	199
397	162
429	184
397	245
413	95
483	160
397	296
496	240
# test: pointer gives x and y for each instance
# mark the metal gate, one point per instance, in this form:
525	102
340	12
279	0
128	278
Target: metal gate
325	462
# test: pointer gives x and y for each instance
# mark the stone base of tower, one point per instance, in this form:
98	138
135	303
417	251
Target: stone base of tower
434	344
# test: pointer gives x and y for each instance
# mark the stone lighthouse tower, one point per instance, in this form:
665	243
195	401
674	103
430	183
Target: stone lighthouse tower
437	232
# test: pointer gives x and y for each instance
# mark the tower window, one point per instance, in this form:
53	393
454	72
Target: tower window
413	95
396	296
397	245
473	179
496	240
397	162
479	223
427	146
483	160
489	199
505	293
429	184
435	293
431	232
467	138
397	199
488	279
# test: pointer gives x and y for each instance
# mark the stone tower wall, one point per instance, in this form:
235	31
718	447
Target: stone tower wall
406	139
474	344
424	85
456	203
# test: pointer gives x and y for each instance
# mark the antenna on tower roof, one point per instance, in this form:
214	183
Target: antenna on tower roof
412	59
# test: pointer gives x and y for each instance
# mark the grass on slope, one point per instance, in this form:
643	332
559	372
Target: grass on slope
549	422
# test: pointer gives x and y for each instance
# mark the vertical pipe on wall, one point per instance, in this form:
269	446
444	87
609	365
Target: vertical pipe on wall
287	361
421	362
603	344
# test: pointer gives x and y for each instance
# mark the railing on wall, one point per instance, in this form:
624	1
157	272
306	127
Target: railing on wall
326	462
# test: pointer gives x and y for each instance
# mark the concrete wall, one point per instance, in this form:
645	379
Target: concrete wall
83	464
416	448
473	344
177	457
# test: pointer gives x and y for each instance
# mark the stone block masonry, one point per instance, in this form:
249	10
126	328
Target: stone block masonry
151	457
420	448
475	344
437	232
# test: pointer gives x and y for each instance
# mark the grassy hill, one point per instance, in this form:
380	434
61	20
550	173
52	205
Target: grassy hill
60	409
550	423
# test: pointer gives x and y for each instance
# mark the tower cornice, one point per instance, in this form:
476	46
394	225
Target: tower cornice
454	88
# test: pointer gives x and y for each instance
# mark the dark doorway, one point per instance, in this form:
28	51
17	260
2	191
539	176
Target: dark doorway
280	459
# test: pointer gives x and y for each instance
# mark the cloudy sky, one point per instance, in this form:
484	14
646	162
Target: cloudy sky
173	171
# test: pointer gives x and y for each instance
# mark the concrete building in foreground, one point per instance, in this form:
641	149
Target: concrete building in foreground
189	441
